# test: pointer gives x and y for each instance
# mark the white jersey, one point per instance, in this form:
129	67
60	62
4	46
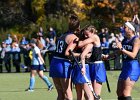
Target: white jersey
36	60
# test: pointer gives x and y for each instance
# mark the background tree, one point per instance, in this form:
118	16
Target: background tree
26	16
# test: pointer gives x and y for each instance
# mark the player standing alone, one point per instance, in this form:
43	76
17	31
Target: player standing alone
37	66
129	49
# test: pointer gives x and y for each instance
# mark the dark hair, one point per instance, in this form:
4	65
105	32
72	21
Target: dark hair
74	22
33	41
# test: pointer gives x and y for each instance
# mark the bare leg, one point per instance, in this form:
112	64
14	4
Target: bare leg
66	83
40	73
125	87
79	92
88	92
33	73
59	88
120	88
97	87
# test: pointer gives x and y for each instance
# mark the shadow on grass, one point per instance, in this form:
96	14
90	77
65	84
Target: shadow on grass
23	90
12	90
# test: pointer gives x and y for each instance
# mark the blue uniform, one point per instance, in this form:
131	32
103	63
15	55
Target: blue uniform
139	66
139	57
130	67
97	71
97	68
77	77
60	66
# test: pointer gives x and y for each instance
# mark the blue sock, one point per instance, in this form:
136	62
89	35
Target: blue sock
32	82
46	80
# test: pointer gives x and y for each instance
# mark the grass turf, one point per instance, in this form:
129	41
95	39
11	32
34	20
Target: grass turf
13	85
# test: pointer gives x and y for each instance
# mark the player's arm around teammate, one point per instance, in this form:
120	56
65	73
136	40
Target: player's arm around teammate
97	68
79	71
85	71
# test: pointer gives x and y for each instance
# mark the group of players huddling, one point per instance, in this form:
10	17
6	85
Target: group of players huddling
86	47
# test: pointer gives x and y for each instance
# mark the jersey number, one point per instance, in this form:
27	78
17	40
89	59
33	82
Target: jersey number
60	45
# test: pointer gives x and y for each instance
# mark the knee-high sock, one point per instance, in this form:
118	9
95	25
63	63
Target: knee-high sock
120	98
127	98
46	80
124	98
32	82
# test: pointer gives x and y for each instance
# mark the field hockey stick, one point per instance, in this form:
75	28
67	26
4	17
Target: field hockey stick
107	83
88	82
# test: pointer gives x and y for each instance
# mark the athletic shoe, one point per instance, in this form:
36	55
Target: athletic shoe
50	87
29	90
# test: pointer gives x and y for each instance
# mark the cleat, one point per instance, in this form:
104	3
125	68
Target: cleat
29	90
50	87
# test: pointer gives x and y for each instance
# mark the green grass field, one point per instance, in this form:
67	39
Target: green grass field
13	85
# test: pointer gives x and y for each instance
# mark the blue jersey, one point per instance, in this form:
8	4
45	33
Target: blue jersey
60	66
128	45
130	66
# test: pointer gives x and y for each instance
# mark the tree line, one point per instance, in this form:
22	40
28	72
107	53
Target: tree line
25	16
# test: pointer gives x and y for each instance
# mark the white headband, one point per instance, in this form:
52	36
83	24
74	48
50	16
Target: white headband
128	24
